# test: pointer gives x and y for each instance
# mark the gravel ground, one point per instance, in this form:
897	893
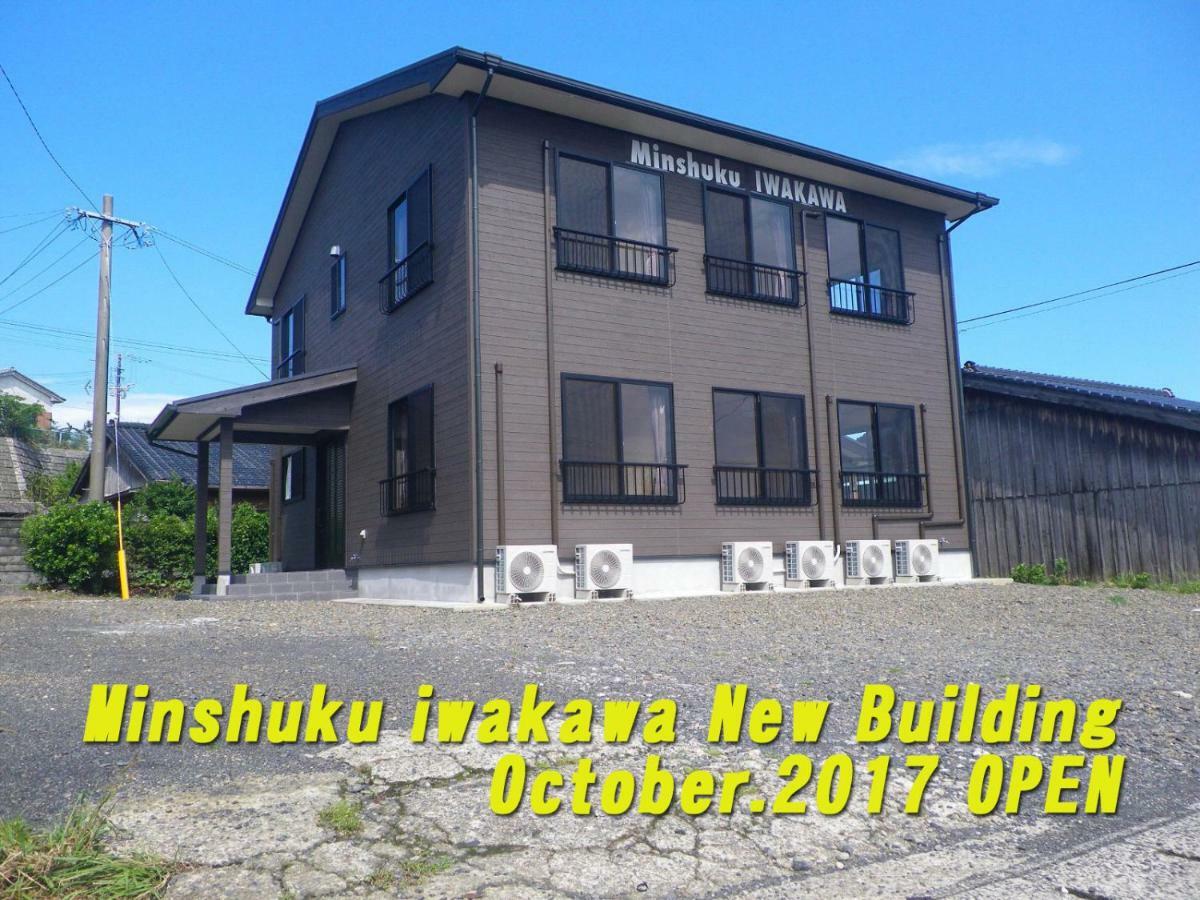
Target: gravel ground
1076	642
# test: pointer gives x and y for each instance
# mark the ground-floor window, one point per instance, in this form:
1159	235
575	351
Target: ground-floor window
619	442
409	486
879	455
761	450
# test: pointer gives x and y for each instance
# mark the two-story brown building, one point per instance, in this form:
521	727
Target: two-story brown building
512	308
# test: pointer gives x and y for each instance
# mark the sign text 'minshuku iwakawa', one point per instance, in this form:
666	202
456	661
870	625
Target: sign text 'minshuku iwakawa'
721	173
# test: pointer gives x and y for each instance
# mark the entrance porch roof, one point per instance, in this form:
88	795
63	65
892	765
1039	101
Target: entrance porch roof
296	410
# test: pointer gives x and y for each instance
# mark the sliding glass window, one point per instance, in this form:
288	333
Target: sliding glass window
879	455
410	251
618	442
750	247
761	450
409	486
611	221
866	274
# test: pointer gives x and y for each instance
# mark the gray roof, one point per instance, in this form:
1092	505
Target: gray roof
1155	404
251	462
33	385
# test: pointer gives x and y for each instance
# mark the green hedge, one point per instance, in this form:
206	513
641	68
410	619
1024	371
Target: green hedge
74	544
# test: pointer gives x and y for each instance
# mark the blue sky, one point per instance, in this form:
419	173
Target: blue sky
1080	117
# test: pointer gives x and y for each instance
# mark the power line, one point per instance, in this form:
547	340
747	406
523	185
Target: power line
30	224
130	342
34	278
200	310
183	242
55	233
1038	312
46	146
26	215
42	290
1102	287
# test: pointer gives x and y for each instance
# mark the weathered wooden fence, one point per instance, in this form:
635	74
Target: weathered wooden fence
1109	494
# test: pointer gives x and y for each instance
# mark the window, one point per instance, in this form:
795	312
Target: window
879	455
337	287
410	253
619	442
291	342
866	275
750	248
611	221
761	451
293	476
410	481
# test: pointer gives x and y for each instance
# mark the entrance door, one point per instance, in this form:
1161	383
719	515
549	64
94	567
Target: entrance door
331	504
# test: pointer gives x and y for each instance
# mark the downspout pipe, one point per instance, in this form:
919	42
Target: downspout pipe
476	349
944	239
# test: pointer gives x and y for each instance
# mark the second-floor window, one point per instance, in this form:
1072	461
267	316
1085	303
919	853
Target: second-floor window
409	486
761	451
292	482
866	275
337	287
879	455
291	342
611	221
618	442
410	249
750	248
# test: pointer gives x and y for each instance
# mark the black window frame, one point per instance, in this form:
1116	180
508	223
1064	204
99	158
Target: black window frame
723	274
675	492
731	483
417	493
575	250
337	286
295	468
293	362
902	301
880	487
418	264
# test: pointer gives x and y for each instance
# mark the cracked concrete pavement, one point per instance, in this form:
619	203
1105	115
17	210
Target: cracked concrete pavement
244	821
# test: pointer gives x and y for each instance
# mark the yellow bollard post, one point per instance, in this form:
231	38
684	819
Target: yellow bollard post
122	571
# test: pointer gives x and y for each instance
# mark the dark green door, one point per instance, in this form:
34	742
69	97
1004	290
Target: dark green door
331	504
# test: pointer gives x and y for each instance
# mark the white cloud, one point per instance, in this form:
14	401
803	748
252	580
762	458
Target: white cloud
137	407
985	158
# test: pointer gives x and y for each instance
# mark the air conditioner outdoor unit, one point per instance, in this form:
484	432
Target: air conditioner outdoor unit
526	573
868	562
809	564
747	566
916	560
603	571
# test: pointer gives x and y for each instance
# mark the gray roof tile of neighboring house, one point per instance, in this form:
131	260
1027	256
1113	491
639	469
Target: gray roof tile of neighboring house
251	462
1130	399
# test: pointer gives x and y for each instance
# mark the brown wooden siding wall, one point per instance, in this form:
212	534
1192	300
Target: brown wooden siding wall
694	340
373	160
1109	494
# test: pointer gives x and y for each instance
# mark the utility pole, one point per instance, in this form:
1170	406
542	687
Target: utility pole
100	381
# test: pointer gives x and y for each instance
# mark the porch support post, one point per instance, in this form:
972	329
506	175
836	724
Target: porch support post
225	508
200	545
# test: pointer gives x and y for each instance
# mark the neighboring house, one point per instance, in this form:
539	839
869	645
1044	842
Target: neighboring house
1105	476
143	461
513	308
24	387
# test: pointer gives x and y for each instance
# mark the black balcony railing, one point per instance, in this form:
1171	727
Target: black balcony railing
882	489
752	281
291	365
756	486
411	492
406	277
853	298
609	482
613	257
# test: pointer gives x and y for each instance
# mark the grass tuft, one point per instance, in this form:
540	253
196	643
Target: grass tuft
71	861
419	868
342	816
382	879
